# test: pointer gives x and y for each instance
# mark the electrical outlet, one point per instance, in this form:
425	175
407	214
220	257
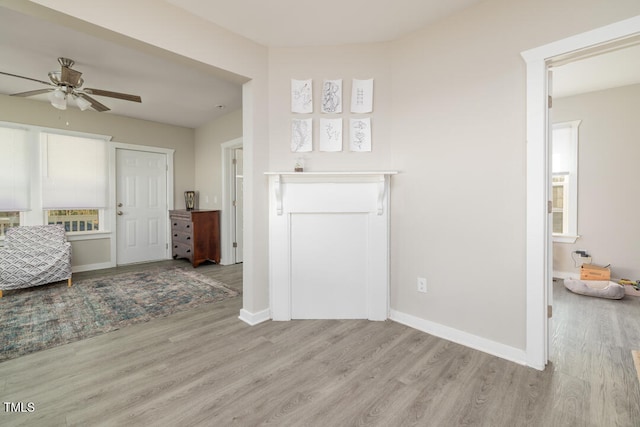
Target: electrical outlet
422	285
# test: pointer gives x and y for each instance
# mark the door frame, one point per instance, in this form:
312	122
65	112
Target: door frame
538	244
227	222
168	152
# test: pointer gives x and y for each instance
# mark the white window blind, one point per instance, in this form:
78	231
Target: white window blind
563	158
74	172
15	183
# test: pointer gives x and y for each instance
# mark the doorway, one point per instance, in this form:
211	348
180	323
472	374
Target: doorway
142	202
539	244
232	225
237	206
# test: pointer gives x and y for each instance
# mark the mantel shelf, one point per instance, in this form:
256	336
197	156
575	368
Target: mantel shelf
380	178
335	173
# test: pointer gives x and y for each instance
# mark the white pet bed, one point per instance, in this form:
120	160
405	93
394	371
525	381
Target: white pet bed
595	288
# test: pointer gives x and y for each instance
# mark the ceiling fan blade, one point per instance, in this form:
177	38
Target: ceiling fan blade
94	104
26	78
118	95
32	92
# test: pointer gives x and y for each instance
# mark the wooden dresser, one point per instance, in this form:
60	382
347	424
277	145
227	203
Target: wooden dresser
195	235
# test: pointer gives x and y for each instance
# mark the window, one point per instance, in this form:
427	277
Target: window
8	219
52	177
565	181
74	172
560	214
75	220
74	181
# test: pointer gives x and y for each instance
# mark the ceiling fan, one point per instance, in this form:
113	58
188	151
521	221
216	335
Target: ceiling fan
67	83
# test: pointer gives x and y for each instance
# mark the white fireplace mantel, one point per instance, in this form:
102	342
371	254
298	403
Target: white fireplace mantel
380	177
329	245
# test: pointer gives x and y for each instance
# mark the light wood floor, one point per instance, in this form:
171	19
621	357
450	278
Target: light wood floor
206	367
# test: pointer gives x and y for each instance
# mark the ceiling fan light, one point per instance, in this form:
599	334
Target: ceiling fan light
58	99
82	103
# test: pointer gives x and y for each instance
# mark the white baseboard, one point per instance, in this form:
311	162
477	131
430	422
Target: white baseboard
91	267
254	318
468	340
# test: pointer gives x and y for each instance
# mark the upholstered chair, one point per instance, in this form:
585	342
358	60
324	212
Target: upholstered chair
34	255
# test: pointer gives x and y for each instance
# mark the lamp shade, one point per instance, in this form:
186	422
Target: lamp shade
82	103
58	99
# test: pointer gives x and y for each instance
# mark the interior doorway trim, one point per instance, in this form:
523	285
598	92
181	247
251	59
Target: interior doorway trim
228	178
538	244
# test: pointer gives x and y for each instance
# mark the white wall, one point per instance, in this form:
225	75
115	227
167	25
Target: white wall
208	156
608	181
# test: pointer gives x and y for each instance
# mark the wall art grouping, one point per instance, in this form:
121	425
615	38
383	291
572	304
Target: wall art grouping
331	129
331	135
302	96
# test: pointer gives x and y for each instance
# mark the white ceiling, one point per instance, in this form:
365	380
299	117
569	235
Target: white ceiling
609	70
178	91
288	23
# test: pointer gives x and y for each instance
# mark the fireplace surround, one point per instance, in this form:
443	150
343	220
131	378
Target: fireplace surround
329	245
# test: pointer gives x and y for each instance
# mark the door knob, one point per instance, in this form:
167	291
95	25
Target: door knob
119	212
119	205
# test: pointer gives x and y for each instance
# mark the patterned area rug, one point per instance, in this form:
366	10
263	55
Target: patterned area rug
42	317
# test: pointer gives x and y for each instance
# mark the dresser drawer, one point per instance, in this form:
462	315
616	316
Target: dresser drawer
180	250
181	225
180	214
181	237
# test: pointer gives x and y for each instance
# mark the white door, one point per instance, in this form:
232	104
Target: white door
141	199
237	205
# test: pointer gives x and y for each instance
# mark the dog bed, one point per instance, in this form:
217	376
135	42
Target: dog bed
595	288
